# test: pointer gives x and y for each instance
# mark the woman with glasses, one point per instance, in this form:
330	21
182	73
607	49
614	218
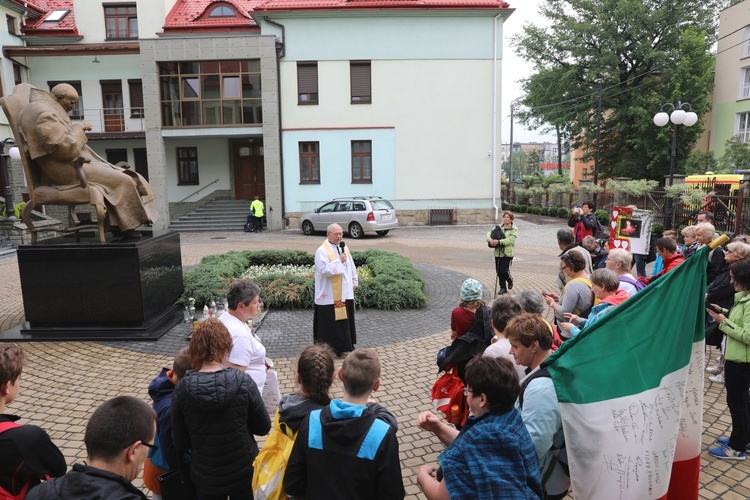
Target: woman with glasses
492	456
577	297
216	411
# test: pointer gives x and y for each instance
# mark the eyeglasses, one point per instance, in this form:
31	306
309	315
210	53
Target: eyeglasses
467	391
730	251
151	447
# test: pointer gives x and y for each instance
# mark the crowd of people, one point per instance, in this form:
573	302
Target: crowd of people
207	408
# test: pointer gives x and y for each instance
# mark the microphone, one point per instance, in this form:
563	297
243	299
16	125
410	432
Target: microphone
342	245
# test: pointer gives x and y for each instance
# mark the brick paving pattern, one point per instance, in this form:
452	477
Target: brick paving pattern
64	381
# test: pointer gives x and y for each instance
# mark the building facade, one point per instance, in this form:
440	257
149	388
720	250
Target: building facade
731	98
294	102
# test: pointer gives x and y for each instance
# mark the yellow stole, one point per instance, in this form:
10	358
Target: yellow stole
339	306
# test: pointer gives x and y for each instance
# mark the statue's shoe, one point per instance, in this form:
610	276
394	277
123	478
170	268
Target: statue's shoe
131	234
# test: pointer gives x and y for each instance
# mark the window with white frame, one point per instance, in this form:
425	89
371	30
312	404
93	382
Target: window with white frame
742	130
746	42
744	92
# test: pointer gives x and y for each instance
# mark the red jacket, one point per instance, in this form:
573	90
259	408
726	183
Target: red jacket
669	264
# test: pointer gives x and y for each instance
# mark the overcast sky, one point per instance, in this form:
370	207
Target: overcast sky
515	68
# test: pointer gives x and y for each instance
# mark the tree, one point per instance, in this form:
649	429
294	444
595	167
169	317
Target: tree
736	156
699	162
649	52
540	90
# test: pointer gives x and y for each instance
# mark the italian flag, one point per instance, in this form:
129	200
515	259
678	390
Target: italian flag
630	390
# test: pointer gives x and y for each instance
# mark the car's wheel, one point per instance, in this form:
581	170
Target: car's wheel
355	230
308	228
382	233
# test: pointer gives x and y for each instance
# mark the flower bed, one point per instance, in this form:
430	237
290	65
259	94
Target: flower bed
287	278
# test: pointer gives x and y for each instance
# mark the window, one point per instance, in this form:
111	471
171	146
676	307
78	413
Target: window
115	156
746	42
210	93
11	24
187	166
309	163
362	161
112	106
307	83
328	207
743	127
78	112
140	158
136	98
56	15
17	75
360	82
121	22
222	11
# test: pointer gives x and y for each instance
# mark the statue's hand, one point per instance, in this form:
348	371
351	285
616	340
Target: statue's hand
86	126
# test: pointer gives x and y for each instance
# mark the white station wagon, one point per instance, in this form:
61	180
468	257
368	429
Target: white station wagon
357	215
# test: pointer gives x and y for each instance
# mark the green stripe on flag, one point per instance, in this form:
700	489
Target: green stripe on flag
633	346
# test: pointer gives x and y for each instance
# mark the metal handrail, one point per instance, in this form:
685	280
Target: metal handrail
201	189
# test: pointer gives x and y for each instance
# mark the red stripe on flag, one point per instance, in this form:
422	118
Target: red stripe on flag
684	482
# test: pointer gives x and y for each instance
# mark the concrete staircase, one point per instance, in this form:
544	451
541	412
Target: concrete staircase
219	215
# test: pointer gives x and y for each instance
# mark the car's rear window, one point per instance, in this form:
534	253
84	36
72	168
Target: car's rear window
381	204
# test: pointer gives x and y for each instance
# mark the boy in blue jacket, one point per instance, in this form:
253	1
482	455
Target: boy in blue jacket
161	389
347	437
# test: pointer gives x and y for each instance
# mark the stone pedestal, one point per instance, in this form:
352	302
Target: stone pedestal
125	289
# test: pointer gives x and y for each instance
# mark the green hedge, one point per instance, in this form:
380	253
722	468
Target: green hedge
395	284
603	217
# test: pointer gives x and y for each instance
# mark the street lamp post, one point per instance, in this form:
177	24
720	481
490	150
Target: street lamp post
6	177
678	116
599	80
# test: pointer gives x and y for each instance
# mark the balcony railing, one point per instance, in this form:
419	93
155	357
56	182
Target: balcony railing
113	120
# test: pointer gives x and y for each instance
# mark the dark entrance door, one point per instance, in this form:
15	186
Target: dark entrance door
249	177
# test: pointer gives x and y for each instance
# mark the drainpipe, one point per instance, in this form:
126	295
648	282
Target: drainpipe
280	52
494	121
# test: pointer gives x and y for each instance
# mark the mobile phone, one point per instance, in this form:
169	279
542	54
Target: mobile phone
714	308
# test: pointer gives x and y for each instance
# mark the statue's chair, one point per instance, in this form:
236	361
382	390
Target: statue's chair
46	194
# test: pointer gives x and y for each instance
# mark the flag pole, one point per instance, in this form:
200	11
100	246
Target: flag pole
719	241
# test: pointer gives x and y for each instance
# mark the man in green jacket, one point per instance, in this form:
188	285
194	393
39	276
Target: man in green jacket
256	210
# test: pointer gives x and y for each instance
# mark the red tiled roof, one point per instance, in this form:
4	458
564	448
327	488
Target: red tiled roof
66	25
187	15
268	5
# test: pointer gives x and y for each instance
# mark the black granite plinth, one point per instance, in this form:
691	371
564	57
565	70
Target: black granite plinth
122	289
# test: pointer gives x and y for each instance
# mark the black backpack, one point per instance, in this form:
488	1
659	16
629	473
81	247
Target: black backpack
496	234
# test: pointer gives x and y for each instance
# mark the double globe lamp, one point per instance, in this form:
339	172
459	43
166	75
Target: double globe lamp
679	116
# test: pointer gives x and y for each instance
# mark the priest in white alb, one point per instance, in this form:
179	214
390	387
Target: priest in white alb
335	281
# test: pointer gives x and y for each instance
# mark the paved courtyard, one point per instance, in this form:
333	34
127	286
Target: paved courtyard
64	381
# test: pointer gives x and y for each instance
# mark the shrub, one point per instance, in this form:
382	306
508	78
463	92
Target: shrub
657	227
388	280
563	213
545	211
602	216
535	210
